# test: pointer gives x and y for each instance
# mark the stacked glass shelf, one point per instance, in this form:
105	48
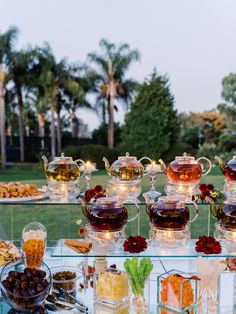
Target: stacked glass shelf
60	220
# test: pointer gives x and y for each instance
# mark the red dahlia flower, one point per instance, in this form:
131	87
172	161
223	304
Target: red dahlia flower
135	244
208	245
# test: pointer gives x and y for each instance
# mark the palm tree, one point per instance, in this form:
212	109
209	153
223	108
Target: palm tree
112	65
55	77
21	69
7	40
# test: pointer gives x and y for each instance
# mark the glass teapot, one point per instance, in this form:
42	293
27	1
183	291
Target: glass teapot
226	213
228	169
169	212
186	169
62	169
126	168
107	214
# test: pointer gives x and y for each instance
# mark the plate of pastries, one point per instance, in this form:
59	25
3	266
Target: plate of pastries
9	253
19	192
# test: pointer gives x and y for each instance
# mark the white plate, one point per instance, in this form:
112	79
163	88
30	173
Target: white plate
13	262
39	197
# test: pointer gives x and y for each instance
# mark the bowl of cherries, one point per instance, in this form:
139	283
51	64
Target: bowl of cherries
25	288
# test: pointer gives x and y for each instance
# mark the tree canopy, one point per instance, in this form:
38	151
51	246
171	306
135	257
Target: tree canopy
152	125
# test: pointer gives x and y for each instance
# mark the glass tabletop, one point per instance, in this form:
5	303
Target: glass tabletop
187	251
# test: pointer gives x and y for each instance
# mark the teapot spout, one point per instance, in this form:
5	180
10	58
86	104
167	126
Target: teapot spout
163	165
221	164
45	162
107	165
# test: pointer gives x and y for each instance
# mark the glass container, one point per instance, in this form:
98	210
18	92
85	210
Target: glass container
67	278
111	287
186	169
62	169
170	213
229	168
25	300
34	240
177	292
226	213
126	168
108	214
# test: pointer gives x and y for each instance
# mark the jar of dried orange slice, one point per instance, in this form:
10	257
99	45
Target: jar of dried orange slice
177	292
34	238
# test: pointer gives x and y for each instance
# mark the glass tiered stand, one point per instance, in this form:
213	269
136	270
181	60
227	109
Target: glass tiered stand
60	221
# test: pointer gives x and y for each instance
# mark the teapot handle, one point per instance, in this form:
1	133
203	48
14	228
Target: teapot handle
209	163
196	212
82	162
146	172
137	210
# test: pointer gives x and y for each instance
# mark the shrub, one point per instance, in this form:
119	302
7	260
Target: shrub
72	151
177	149
95	153
100	134
208	150
227	142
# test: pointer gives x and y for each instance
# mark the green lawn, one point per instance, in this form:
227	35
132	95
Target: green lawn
60	219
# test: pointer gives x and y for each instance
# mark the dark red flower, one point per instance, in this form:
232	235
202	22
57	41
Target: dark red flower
87	199
135	244
98	188
100	195
208	245
202	187
96	192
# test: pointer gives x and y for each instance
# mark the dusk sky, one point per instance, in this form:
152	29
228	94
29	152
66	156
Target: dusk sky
192	41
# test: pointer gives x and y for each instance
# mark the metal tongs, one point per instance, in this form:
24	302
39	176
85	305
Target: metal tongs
64	294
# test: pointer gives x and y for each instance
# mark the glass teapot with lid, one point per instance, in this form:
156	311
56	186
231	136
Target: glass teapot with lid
229	168
186	169
226	213
62	169
107	214
169	212
126	168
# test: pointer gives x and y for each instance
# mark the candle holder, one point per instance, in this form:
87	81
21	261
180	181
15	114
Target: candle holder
228	236
171	239
88	168
105	241
153	170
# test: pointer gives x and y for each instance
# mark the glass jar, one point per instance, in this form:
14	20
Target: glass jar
177	292
34	240
111	287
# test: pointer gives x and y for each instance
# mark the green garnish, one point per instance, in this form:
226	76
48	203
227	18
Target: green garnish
138	272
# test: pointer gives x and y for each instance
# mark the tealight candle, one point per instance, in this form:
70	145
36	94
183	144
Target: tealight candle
153	167
89	167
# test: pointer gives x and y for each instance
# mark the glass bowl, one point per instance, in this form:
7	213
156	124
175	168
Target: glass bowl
64	272
25	294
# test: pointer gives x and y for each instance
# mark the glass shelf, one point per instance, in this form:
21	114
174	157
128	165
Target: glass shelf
61	250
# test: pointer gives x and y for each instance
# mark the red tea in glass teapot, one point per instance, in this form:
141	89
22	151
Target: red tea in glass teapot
186	169
107	214
226	213
169	213
228	169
